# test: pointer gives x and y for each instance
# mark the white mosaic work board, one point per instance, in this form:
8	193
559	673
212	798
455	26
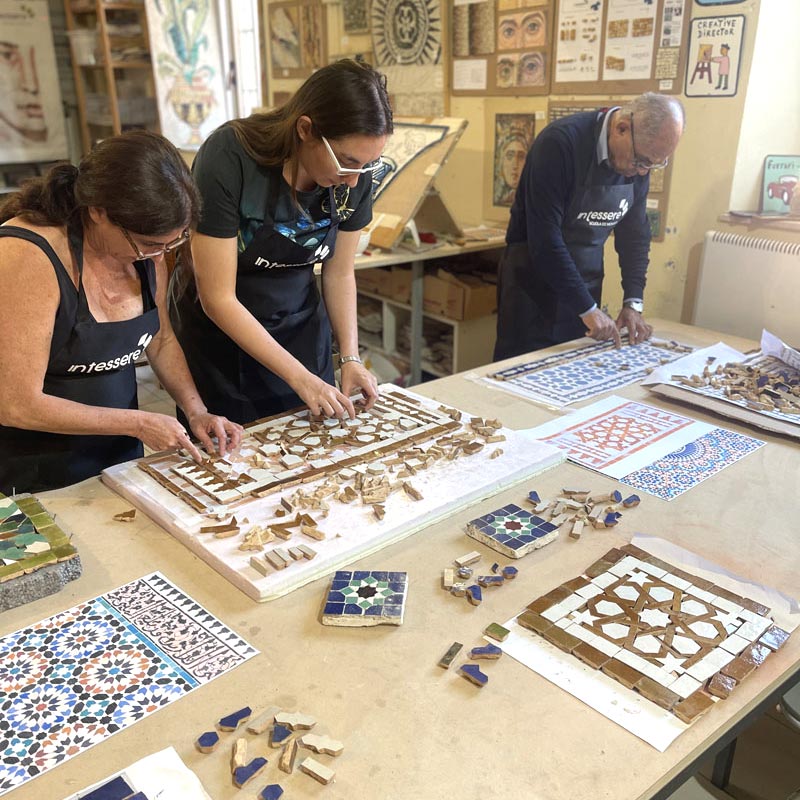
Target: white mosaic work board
629	709
660	381
352	531
162	775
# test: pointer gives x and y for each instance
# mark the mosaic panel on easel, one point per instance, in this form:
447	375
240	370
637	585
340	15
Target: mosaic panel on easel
362	598
679	640
512	530
74	679
586	372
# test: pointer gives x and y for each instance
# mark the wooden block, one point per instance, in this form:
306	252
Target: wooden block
656	693
288	755
627	676
307	552
238	754
295	721
590	655
321	744
489	651
721	685
232	721
497	632
278	735
472	672
259	565
245	774
263	721
319	772
125	516
693	706
533	622
207	742
448	577
447	659
270	792
469	558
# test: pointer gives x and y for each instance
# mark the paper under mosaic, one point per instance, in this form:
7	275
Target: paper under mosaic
74	679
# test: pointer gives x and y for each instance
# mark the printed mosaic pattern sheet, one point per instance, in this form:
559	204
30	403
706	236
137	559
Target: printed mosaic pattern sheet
680	642
74	679
585	372
651	449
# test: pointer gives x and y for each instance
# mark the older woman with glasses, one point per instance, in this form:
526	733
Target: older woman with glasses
83	287
282	191
585	175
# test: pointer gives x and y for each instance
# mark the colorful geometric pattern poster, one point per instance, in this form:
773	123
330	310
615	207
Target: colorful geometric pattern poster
71	681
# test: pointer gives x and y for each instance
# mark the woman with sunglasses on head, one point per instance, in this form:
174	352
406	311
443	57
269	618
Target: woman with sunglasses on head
282	191
83	286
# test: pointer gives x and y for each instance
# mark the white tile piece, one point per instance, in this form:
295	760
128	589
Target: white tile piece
615	630
660	593
674	580
710	664
727	605
605	646
704	629
571	603
750	616
702	594
589	591
694	608
624	566
647	643
735	644
604	579
754	628
579	632
564	622
626	592
656	572
684	645
685	685
607	608
632	660
654	618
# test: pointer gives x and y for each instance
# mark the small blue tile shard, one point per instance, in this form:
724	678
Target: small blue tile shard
491	580
509	572
137	796
495	567
534	498
271	792
474	595
206	742
630	502
233	721
241	775
115	789
615	496
611	519
279	734
472	672
490	651
464	572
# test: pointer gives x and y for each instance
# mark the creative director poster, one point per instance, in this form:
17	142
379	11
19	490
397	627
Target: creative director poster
31	114
715	53
185	46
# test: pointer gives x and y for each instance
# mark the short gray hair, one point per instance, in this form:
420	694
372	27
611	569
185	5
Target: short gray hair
655	115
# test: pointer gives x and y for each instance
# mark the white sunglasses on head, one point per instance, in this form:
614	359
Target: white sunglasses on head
340	170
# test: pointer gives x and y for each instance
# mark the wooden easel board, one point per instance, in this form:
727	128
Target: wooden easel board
351	530
418	149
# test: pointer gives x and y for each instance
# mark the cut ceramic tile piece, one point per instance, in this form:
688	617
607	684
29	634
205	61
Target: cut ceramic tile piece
472	672
491	580
308	553
278	735
238	754
321	744
774	638
474	594
259	565
721	686
243	775
366	598
295	721
272	791
735	644
447	659
464	573
207	742
509	572
512	531
288	755
533	621
497	632
693	706
448	577
469	558
657	693
263	721
488	651
319	772
232	721
685	686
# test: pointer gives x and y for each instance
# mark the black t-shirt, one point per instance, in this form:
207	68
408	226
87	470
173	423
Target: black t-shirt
239	196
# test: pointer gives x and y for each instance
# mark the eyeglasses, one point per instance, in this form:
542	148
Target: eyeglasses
643	163
340	170
167	248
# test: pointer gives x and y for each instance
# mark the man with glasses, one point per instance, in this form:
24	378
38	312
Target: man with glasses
585	175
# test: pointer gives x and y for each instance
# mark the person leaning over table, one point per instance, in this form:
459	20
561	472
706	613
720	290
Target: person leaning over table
83	287
585	175
282	190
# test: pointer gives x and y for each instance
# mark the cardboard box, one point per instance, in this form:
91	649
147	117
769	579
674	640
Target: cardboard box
458	296
377	280
401	284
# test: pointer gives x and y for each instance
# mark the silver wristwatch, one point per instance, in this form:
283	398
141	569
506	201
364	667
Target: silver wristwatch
636	305
345	359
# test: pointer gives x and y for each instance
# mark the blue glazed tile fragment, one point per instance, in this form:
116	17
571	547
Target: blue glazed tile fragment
474	595
232	721
533	496
509	573
271	792
472	672
206	742
489	651
241	775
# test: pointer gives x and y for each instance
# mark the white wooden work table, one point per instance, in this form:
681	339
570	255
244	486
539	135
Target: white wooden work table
411	729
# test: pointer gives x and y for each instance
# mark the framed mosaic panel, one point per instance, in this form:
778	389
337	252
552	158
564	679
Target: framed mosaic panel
297	36
513	137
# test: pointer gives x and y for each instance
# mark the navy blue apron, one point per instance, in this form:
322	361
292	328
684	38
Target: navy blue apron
530	314
34	461
275	282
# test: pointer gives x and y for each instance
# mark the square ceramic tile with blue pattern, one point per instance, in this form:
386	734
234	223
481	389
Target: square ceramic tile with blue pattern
512	531
363	597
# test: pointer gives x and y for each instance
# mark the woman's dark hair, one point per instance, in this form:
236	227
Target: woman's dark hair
139	178
341	99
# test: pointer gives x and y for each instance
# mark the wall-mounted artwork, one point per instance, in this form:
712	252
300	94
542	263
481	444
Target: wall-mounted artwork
473	28
296	39
190	84
718	2
715	52
356	16
407	31
31	114
781	175
513	137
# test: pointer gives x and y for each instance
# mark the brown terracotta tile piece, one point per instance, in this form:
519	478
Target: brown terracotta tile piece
627	676
657	562
774	637
533	622
756	608
700	583
738	669
721	685
657	693
550	599
590	655
693	706
636	552
731	596
561	639
575	584
756	653
614	554
598	568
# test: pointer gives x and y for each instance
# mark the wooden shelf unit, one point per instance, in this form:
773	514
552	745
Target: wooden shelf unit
103	78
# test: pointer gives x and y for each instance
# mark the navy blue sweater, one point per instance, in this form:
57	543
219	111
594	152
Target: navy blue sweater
555	169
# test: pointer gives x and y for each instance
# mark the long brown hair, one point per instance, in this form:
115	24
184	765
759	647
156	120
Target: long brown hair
139	178
341	99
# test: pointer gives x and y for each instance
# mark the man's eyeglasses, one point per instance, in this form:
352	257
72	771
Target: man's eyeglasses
167	248
340	170
643	163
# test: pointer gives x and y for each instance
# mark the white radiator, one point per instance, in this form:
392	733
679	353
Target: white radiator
748	283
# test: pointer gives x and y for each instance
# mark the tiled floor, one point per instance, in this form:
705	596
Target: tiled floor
767	763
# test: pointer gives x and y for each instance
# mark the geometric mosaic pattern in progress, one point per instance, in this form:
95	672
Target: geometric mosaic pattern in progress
74	679
679	640
585	372
512	531
360	598
676	472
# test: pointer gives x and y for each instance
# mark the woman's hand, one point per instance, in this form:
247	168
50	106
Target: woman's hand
355	376
205	426
162	432
322	398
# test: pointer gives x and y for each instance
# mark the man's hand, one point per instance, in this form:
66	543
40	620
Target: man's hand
638	329
600	326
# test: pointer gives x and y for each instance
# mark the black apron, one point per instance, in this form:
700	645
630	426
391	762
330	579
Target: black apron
530	315
275	282
34	461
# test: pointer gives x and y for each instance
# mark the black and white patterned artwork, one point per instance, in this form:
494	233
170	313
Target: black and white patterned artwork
406	31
